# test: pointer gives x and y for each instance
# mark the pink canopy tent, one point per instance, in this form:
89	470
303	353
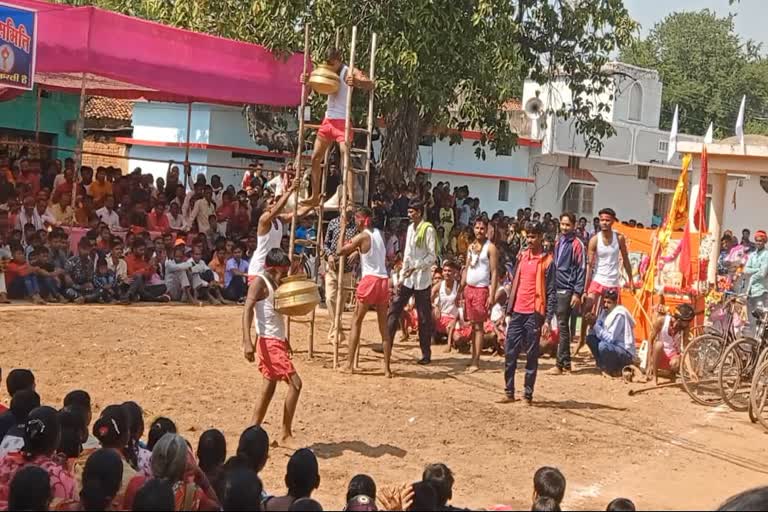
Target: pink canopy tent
131	58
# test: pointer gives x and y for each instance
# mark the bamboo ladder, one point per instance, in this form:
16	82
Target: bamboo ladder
348	173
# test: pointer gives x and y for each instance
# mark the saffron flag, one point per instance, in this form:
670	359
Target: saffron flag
700	213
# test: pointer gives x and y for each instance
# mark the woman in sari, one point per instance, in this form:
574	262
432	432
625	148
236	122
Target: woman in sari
42	432
173	461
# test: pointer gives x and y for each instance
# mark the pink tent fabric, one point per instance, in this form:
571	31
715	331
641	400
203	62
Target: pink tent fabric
131	58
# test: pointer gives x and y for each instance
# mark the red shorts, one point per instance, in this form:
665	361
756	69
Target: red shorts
475	300
443	323
373	290
463	332
596	288
333	130
274	363
666	357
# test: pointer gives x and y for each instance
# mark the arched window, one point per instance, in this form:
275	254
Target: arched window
636	102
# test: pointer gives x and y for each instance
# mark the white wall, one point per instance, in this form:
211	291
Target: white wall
618	187
651	87
460	158
750	211
167	122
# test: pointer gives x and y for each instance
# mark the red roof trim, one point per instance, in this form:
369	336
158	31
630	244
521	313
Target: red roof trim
471	174
580	175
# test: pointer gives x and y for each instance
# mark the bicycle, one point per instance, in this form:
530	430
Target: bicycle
740	361
702	356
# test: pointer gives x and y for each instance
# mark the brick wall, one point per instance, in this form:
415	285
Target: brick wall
107	147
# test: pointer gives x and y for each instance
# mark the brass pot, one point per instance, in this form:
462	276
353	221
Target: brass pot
297	295
324	80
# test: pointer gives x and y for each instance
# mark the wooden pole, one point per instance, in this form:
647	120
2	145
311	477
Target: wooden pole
299	150
299	171
187	167
369	142
346	176
80	127
372	76
318	252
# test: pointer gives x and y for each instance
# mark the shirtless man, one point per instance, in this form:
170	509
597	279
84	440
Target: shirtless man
444	296
479	281
606	253
270	229
334	124
667	333
373	288
272	345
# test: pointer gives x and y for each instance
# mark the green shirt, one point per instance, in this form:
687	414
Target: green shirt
757	270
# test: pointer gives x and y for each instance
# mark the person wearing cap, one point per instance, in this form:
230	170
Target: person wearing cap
177	273
612	341
668	334
756	270
272	345
531	306
419	256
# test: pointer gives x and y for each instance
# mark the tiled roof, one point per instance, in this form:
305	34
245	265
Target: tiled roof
98	107
580	175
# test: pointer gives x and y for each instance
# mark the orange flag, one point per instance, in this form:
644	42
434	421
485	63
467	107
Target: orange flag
700	213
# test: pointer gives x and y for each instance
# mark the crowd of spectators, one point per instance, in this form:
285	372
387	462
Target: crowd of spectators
59	457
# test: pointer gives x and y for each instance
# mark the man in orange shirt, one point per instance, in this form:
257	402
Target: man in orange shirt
157	220
22	280
140	272
101	188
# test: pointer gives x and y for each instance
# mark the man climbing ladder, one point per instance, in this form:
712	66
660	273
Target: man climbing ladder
333	125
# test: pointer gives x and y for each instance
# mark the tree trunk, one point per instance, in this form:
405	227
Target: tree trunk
400	146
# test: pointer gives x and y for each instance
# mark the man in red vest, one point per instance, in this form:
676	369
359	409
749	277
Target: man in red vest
532	304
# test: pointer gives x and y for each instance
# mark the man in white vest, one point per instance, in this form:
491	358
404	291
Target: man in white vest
334	124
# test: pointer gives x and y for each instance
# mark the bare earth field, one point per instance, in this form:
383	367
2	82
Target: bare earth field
657	448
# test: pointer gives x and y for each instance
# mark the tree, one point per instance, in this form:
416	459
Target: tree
705	68
441	63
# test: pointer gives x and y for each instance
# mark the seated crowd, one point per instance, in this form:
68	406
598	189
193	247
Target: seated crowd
54	459
102	236
59	458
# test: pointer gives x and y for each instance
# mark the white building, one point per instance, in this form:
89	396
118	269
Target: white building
630	174
218	136
552	174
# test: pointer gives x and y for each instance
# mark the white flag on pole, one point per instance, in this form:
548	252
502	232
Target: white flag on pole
740	123
709	137
672	148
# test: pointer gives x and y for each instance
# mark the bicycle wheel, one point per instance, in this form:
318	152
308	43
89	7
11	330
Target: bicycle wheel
698	369
758	396
735	373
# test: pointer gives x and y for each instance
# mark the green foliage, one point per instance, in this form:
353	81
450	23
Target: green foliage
440	63
706	69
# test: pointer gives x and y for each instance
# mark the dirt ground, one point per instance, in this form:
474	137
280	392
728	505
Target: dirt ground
657	448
